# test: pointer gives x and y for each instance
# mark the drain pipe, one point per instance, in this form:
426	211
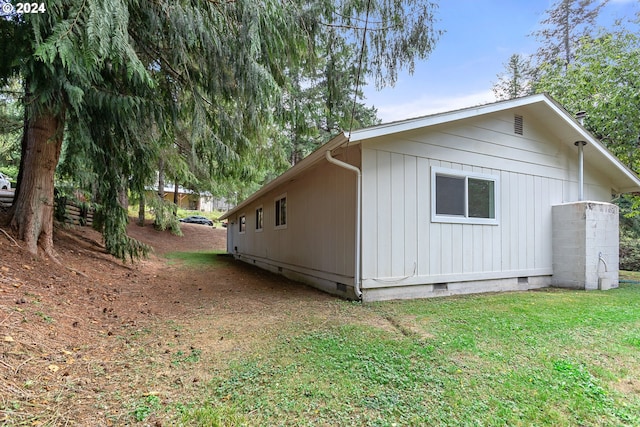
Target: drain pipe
330	159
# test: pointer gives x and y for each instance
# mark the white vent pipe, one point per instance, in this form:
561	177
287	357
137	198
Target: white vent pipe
580	115
580	145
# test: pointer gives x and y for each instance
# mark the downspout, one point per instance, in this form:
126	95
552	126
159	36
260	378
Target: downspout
356	286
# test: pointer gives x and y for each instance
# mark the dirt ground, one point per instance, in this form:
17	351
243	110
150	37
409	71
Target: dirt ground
84	340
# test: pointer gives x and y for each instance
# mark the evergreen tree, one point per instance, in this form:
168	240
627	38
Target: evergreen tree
102	73
567	22
357	39
517	80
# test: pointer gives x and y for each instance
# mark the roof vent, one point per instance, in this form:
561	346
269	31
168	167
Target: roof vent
518	124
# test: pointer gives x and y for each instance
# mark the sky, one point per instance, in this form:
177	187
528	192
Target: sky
479	38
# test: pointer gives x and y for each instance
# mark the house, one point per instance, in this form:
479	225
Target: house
191	200
512	195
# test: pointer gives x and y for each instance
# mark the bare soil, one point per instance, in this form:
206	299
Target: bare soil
84	342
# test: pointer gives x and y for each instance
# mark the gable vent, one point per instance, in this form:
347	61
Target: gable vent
518	124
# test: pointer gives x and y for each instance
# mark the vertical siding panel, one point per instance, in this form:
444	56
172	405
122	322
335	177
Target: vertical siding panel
458	248
447	249
505	220
549	201
496	234
343	185
369	213
531	222
435	231
410	215
435	249
521	216
518	244
397	224
310	209
540	199
478	246
487	248
350	221
423	183
329	222
384	207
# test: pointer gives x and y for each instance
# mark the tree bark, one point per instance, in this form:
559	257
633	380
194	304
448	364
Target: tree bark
141	210
176	198
32	210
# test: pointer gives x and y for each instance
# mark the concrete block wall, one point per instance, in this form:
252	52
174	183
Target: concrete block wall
585	245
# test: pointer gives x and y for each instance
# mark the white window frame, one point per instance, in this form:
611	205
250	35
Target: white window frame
242	228
275	214
259	208
456	219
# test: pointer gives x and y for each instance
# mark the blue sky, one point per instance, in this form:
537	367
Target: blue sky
479	38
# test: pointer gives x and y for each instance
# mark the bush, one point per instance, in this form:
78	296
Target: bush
629	254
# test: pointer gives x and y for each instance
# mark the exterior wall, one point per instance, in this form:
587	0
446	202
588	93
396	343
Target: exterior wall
317	246
402	247
586	245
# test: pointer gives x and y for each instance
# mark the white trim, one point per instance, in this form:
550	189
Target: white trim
466	175
286	210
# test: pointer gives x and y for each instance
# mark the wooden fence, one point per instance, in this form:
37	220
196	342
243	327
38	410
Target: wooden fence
6	198
78	215
73	213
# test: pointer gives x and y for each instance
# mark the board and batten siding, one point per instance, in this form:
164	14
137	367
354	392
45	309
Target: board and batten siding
318	240
401	246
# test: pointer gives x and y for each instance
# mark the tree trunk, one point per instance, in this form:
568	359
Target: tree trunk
141	210
161	179
32	211
176	198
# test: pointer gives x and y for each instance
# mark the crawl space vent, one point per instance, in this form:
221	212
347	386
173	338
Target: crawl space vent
518	124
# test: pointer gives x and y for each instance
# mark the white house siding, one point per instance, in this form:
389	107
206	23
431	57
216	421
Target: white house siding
318	245
401	246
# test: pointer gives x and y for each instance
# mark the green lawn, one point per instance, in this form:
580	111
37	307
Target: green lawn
547	358
196	258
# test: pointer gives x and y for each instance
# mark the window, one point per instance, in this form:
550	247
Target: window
242	223
281	211
463	197
259	219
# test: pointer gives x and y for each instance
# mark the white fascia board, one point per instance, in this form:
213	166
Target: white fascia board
440	118
595	143
306	163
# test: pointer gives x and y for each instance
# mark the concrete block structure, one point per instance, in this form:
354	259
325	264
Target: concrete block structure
585	245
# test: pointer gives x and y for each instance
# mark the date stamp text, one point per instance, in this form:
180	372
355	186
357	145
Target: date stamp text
7	8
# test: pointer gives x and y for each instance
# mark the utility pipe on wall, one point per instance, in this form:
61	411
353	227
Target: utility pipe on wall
580	115
356	279
580	145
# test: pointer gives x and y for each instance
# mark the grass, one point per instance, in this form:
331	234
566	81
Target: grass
196	258
548	358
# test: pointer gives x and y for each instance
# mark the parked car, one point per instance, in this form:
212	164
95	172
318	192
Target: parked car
5	183
196	219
